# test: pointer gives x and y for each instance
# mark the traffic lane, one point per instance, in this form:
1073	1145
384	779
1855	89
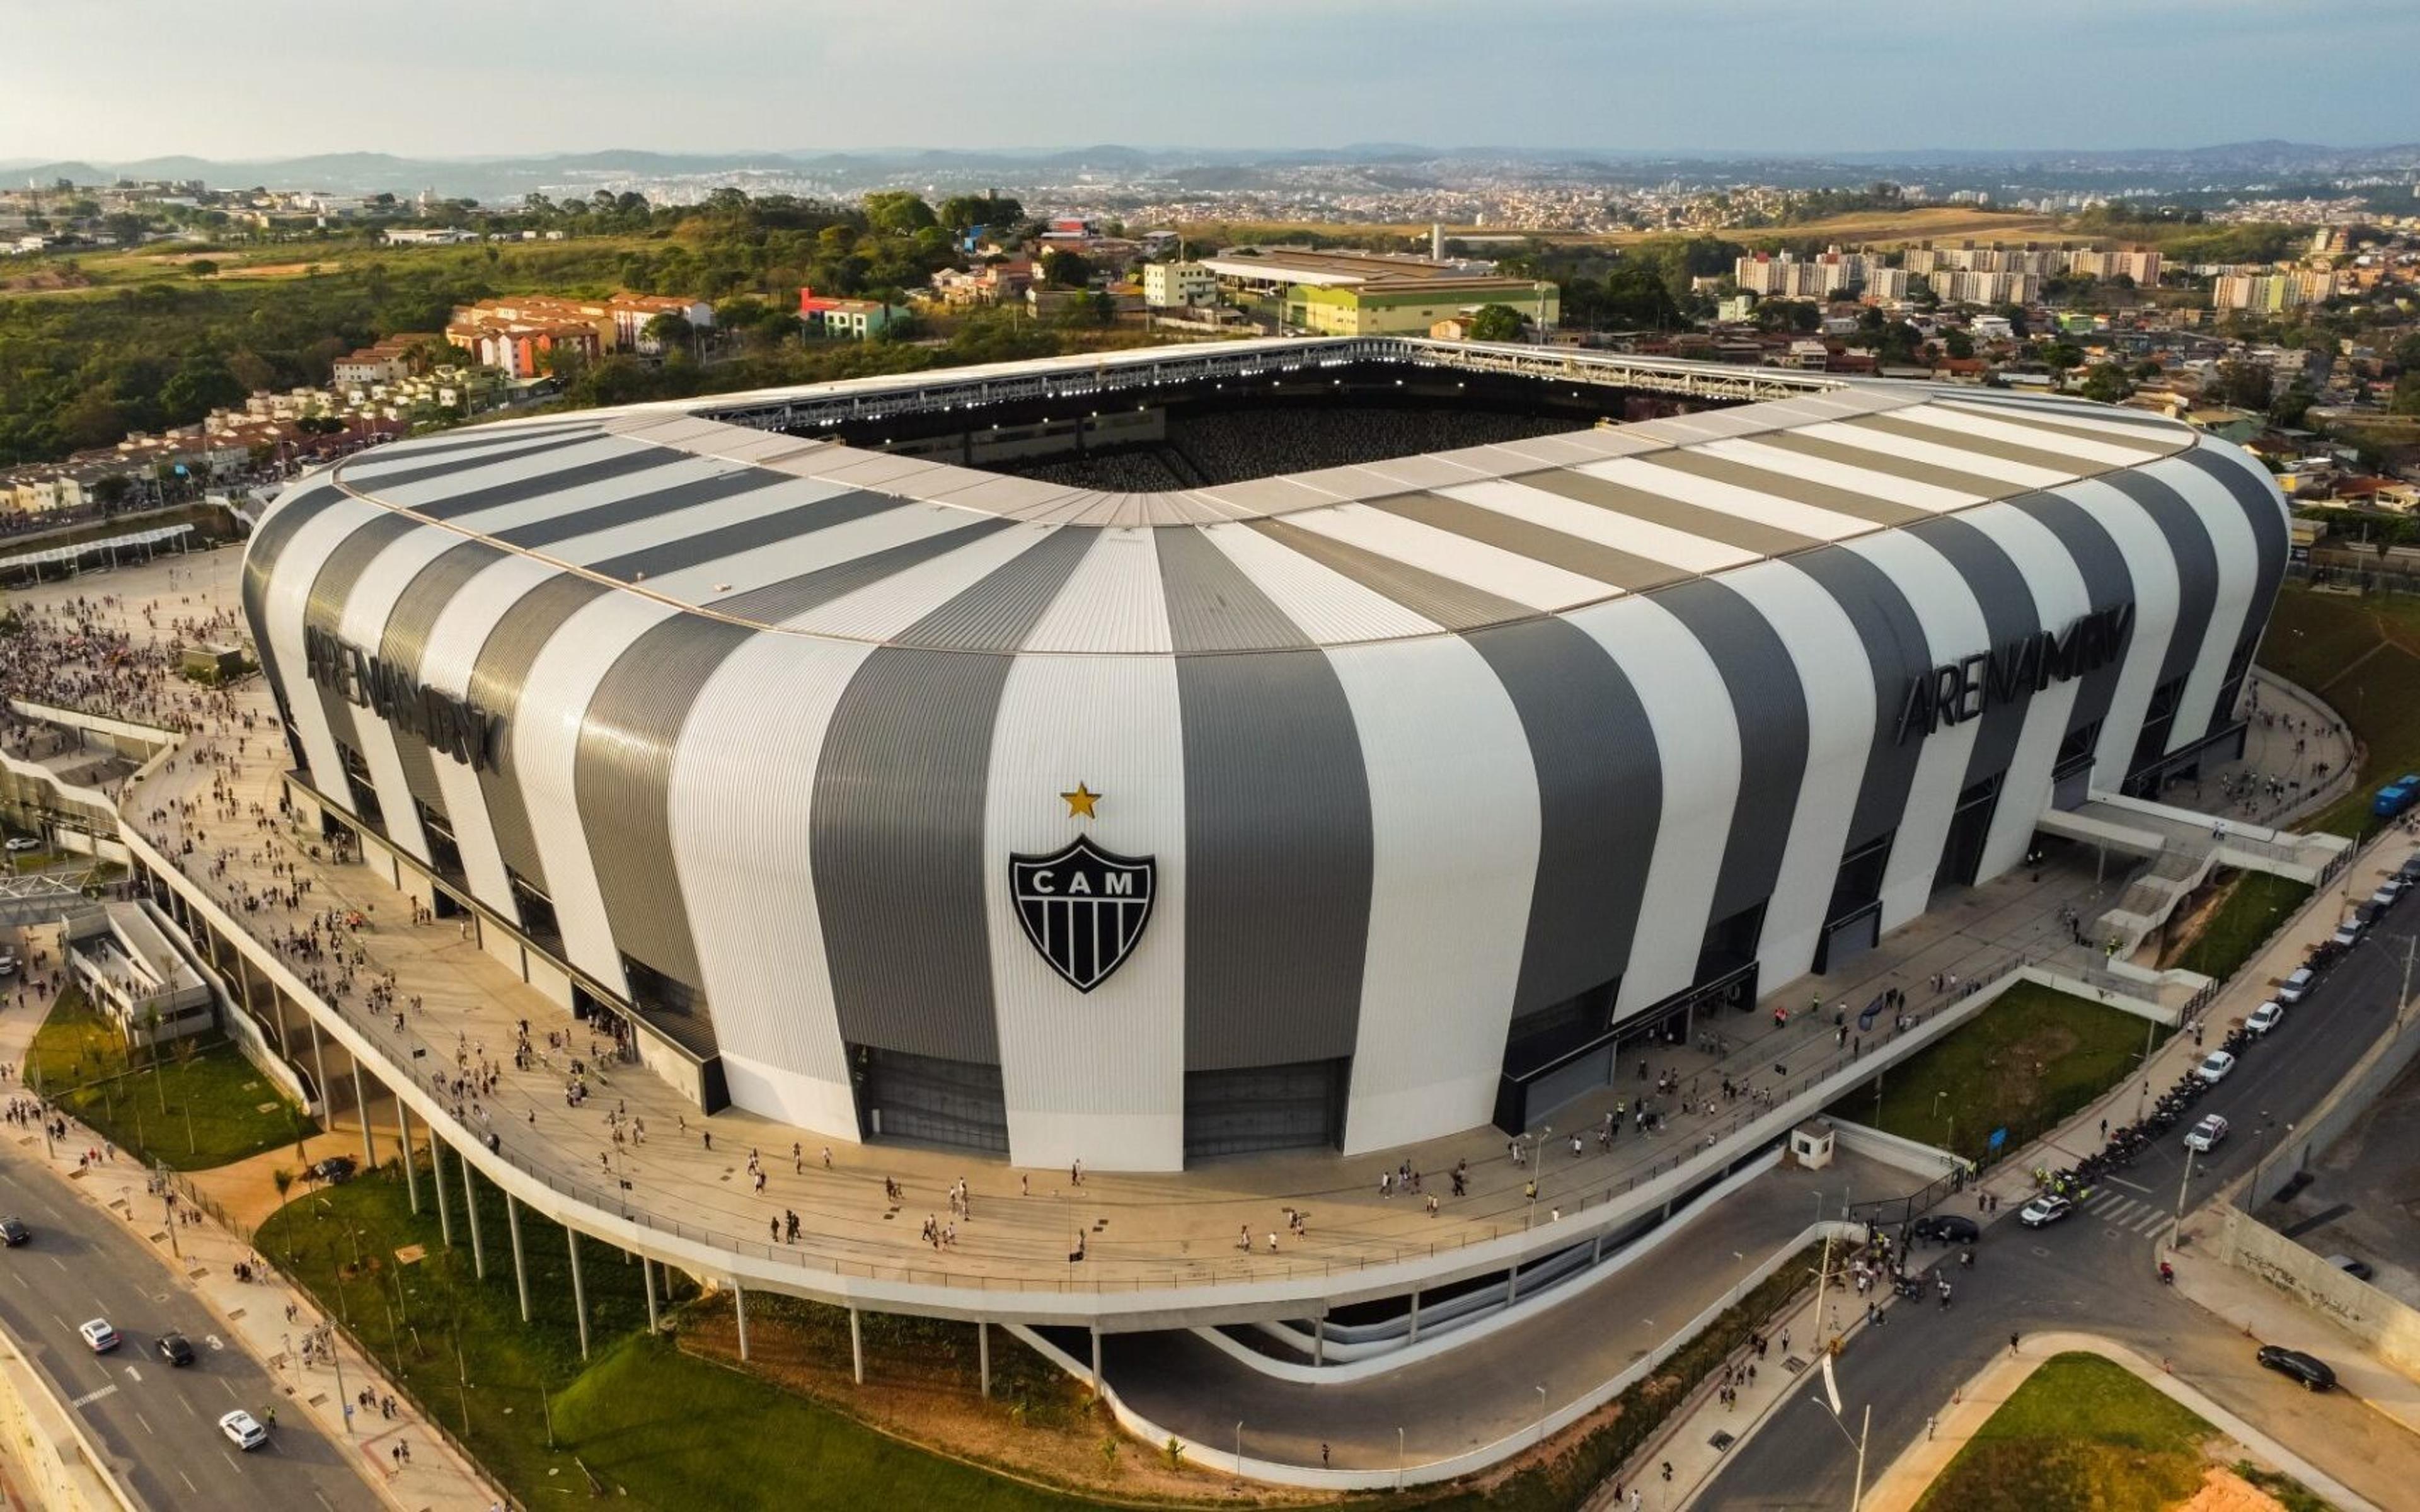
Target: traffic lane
158	1423
2027	1282
2335	1431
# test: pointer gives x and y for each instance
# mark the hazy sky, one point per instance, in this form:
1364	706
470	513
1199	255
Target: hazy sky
121	79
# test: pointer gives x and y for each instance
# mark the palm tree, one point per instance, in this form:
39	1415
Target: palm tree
186	1055
281	1179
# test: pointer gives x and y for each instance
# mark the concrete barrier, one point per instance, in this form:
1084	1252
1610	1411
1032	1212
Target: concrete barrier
45	1441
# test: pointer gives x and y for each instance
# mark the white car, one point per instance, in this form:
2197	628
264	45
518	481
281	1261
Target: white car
99	1335
2296	986
244	1430
2045	1209
2207	1133
2264	1018
2387	892
2215	1066
19	844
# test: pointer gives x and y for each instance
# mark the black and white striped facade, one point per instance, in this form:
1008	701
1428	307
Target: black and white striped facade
1432	759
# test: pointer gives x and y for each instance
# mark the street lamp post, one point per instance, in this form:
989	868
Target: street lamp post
1856	1441
1541	1414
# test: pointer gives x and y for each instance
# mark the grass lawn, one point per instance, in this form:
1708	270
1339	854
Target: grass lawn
2081	1435
2362	656
2255	903
651	1424
2025	1062
190	1114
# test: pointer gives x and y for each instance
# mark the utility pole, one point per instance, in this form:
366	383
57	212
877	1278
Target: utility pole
2182	1182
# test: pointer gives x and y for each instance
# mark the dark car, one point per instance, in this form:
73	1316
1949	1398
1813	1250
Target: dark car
335	1169
174	1349
13	1232
1949	1228
2310	1370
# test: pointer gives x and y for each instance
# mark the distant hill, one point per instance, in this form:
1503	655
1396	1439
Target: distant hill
509	178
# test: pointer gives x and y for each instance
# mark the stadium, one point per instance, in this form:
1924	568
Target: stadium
1238	747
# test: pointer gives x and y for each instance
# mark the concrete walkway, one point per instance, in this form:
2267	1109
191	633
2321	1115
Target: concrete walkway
251	1314
1904	1483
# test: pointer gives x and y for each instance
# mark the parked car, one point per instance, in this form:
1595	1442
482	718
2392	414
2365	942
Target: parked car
2409	870
19	844
2264	1018
175	1349
1949	1228
2312	1371
7	963
2207	1133
245	1429
2348	933
2358	1270
2045	1209
99	1336
2215	1066
13	1231
2388	891
2297	986
336	1169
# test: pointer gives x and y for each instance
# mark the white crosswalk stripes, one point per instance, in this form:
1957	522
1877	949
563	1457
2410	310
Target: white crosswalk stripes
2131	1213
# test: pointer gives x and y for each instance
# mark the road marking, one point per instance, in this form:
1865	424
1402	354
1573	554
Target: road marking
190	1410
189	1483
230	1459
323	1500
229	1388
55	1260
147	1425
214	1341
91	1397
2148	1221
133	1374
2119	1180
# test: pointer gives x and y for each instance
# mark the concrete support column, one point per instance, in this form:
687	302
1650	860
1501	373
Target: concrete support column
362	1108
1318	1342
983	1356
579	1289
319	1069
740	1312
403	1137
648	1279
437	1180
1511	1286
521	1270
1096	1359
471	1216
1415	1319
857	1345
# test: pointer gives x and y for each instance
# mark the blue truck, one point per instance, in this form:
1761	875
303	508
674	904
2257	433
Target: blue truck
2395	796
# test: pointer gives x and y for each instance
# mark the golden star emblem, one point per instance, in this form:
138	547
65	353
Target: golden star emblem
1079	803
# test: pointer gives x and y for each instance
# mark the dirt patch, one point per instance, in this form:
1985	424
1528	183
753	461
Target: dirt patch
1039	1426
2224	1490
44	280
276	271
2185	925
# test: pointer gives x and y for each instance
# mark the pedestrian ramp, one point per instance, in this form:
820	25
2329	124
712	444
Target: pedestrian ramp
2114	1208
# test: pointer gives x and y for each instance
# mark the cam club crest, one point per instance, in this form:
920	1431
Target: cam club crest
1083	907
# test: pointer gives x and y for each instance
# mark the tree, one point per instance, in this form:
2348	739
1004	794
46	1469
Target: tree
283	1179
1957	343
1499	322
671	331
2243	385
2061	356
2106	382
897	213
1066	269
2407	395
112	490
202	268
964	212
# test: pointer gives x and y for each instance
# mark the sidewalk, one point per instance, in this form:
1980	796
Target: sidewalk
1904	1483
251	1314
1788	1371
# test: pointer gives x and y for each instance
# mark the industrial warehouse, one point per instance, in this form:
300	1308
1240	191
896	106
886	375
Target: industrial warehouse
1243	747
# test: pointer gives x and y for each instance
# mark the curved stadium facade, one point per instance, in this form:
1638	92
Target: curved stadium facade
1025	759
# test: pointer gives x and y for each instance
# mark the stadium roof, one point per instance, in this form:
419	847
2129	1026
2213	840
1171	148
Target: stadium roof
679	504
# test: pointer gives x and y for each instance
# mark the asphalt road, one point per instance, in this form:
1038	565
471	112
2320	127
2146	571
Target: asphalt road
2097	1272
157	1425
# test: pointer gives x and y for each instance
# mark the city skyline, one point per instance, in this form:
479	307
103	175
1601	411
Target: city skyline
1552	75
